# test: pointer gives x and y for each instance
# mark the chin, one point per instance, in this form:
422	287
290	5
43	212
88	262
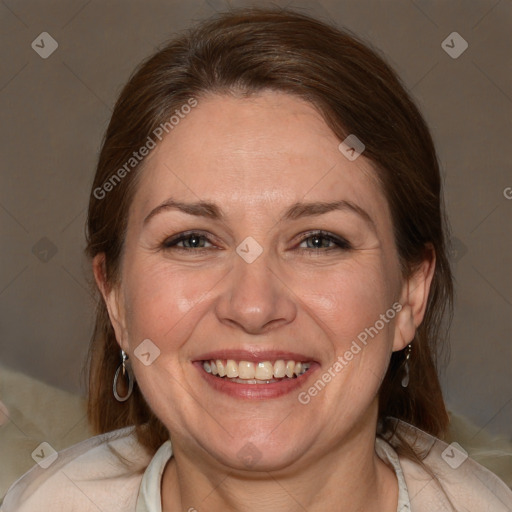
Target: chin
258	457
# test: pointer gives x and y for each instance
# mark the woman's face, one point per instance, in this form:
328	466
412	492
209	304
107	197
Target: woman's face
253	240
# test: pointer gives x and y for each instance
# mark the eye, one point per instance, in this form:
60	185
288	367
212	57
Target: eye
187	241
324	241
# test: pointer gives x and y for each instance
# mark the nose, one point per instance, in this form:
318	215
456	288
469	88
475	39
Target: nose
254	298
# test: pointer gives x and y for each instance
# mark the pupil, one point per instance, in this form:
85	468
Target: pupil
194	241
316	241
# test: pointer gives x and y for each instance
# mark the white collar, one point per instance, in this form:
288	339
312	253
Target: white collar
150	498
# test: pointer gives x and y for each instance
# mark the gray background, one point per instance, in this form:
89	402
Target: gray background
54	112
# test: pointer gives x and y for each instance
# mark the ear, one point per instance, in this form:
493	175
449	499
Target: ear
414	299
112	297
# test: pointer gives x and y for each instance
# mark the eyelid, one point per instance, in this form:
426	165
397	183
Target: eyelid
341	243
173	240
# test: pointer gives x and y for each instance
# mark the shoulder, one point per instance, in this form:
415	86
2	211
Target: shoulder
447	479
101	473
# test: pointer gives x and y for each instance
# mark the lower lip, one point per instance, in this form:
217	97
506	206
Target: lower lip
255	391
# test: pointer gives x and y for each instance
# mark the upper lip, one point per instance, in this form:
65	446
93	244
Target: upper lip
253	355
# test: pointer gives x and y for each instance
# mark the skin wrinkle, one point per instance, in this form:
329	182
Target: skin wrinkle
271	161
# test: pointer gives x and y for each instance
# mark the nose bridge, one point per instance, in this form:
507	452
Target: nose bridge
254	279
254	298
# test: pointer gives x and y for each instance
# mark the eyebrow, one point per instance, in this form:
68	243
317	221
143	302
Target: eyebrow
299	210
199	209
294	212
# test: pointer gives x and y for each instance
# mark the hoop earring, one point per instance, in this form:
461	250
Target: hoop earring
128	374
405	379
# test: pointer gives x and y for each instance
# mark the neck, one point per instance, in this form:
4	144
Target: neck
348	477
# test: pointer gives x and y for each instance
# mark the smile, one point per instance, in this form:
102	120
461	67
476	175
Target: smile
257	372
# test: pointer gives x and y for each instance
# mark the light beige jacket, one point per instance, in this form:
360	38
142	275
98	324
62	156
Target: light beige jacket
110	473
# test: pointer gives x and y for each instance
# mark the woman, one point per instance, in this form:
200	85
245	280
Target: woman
266	231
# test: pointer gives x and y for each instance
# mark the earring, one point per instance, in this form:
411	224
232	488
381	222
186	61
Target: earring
127	374
405	379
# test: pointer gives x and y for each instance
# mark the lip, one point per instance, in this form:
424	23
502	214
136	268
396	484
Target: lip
255	391
254	356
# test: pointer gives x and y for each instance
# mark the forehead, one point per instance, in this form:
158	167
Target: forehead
261	152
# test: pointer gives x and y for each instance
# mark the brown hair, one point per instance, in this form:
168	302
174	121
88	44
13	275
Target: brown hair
356	92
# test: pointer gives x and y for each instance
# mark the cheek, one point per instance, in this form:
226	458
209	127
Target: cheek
349	310
163	304
348	300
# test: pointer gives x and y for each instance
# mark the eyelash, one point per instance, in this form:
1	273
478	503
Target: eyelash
339	243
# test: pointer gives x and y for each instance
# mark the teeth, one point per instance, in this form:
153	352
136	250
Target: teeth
231	369
246	370
262	372
253	381
220	368
279	369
